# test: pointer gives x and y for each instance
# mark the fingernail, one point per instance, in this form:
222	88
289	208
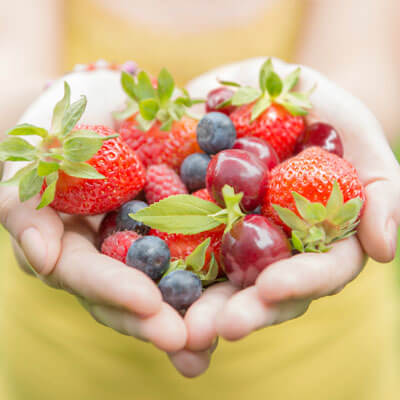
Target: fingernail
391	229
34	248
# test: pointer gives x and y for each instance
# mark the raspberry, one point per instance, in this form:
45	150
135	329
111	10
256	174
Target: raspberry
117	245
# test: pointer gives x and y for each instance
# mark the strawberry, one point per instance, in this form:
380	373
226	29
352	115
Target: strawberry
78	169
107	227
154	125
317	196
203	194
273	112
117	245
162	182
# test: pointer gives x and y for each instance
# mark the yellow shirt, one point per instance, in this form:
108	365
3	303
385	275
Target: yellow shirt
345	347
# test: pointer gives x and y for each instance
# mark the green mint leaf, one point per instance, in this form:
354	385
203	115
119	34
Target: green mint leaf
197	258
182	213
265	71
229	83
72	115
129	85
274	84
30	185
15	179
46	168
148	108
259	107
17	149
60	108
165	86
131	108
50	191
144	88
291	80
27	130
289	218
311	212
245	95
80	170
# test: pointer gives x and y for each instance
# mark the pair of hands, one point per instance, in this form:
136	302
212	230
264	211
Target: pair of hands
62	254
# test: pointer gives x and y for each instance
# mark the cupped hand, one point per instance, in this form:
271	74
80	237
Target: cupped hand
285	289
60	249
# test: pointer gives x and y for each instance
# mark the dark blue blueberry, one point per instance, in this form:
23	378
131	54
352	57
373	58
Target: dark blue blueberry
149	254
193	171
215	132
180	289
126	223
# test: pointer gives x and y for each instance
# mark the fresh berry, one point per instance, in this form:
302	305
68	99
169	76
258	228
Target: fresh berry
154	125
250	246
125	223
181	246
297	186
78	169
150	255
272	112
215	132
322	135
216	97
260	148
180	289
193	171
240	170
203	194
118	244
107	227
162	182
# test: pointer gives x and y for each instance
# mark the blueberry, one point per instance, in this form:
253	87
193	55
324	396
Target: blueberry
180	289
193	171
215	132
126	223
149	254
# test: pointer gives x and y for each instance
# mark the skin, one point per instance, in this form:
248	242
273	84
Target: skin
284	290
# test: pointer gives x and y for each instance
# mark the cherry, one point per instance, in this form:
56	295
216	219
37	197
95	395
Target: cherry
250	246
322	135
218	96
241	170
260	148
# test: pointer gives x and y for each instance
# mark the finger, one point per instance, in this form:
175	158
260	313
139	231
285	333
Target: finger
83	271
246	312
310	275
200	319
165	329
38	232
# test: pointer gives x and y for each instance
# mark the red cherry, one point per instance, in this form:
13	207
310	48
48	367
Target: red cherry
218	96
241	170
322	135
250	246
260	148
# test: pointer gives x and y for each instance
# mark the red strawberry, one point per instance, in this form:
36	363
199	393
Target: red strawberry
272	112
111	175
117	245
162	182
182	246
125	178
203	194
154	125
315	176
107	227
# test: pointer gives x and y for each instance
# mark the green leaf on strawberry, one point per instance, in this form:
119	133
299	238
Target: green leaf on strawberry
319	226
61	149
154	104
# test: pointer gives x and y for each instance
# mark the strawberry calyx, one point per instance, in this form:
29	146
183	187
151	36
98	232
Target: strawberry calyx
318	226
62	148
195	263
272	89
187	214
154	104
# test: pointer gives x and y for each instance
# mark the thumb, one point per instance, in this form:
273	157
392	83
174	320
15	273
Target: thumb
38	232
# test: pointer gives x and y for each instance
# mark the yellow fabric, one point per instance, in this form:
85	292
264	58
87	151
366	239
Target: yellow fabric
345	347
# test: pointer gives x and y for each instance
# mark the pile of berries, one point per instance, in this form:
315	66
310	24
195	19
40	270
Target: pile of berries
190	203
